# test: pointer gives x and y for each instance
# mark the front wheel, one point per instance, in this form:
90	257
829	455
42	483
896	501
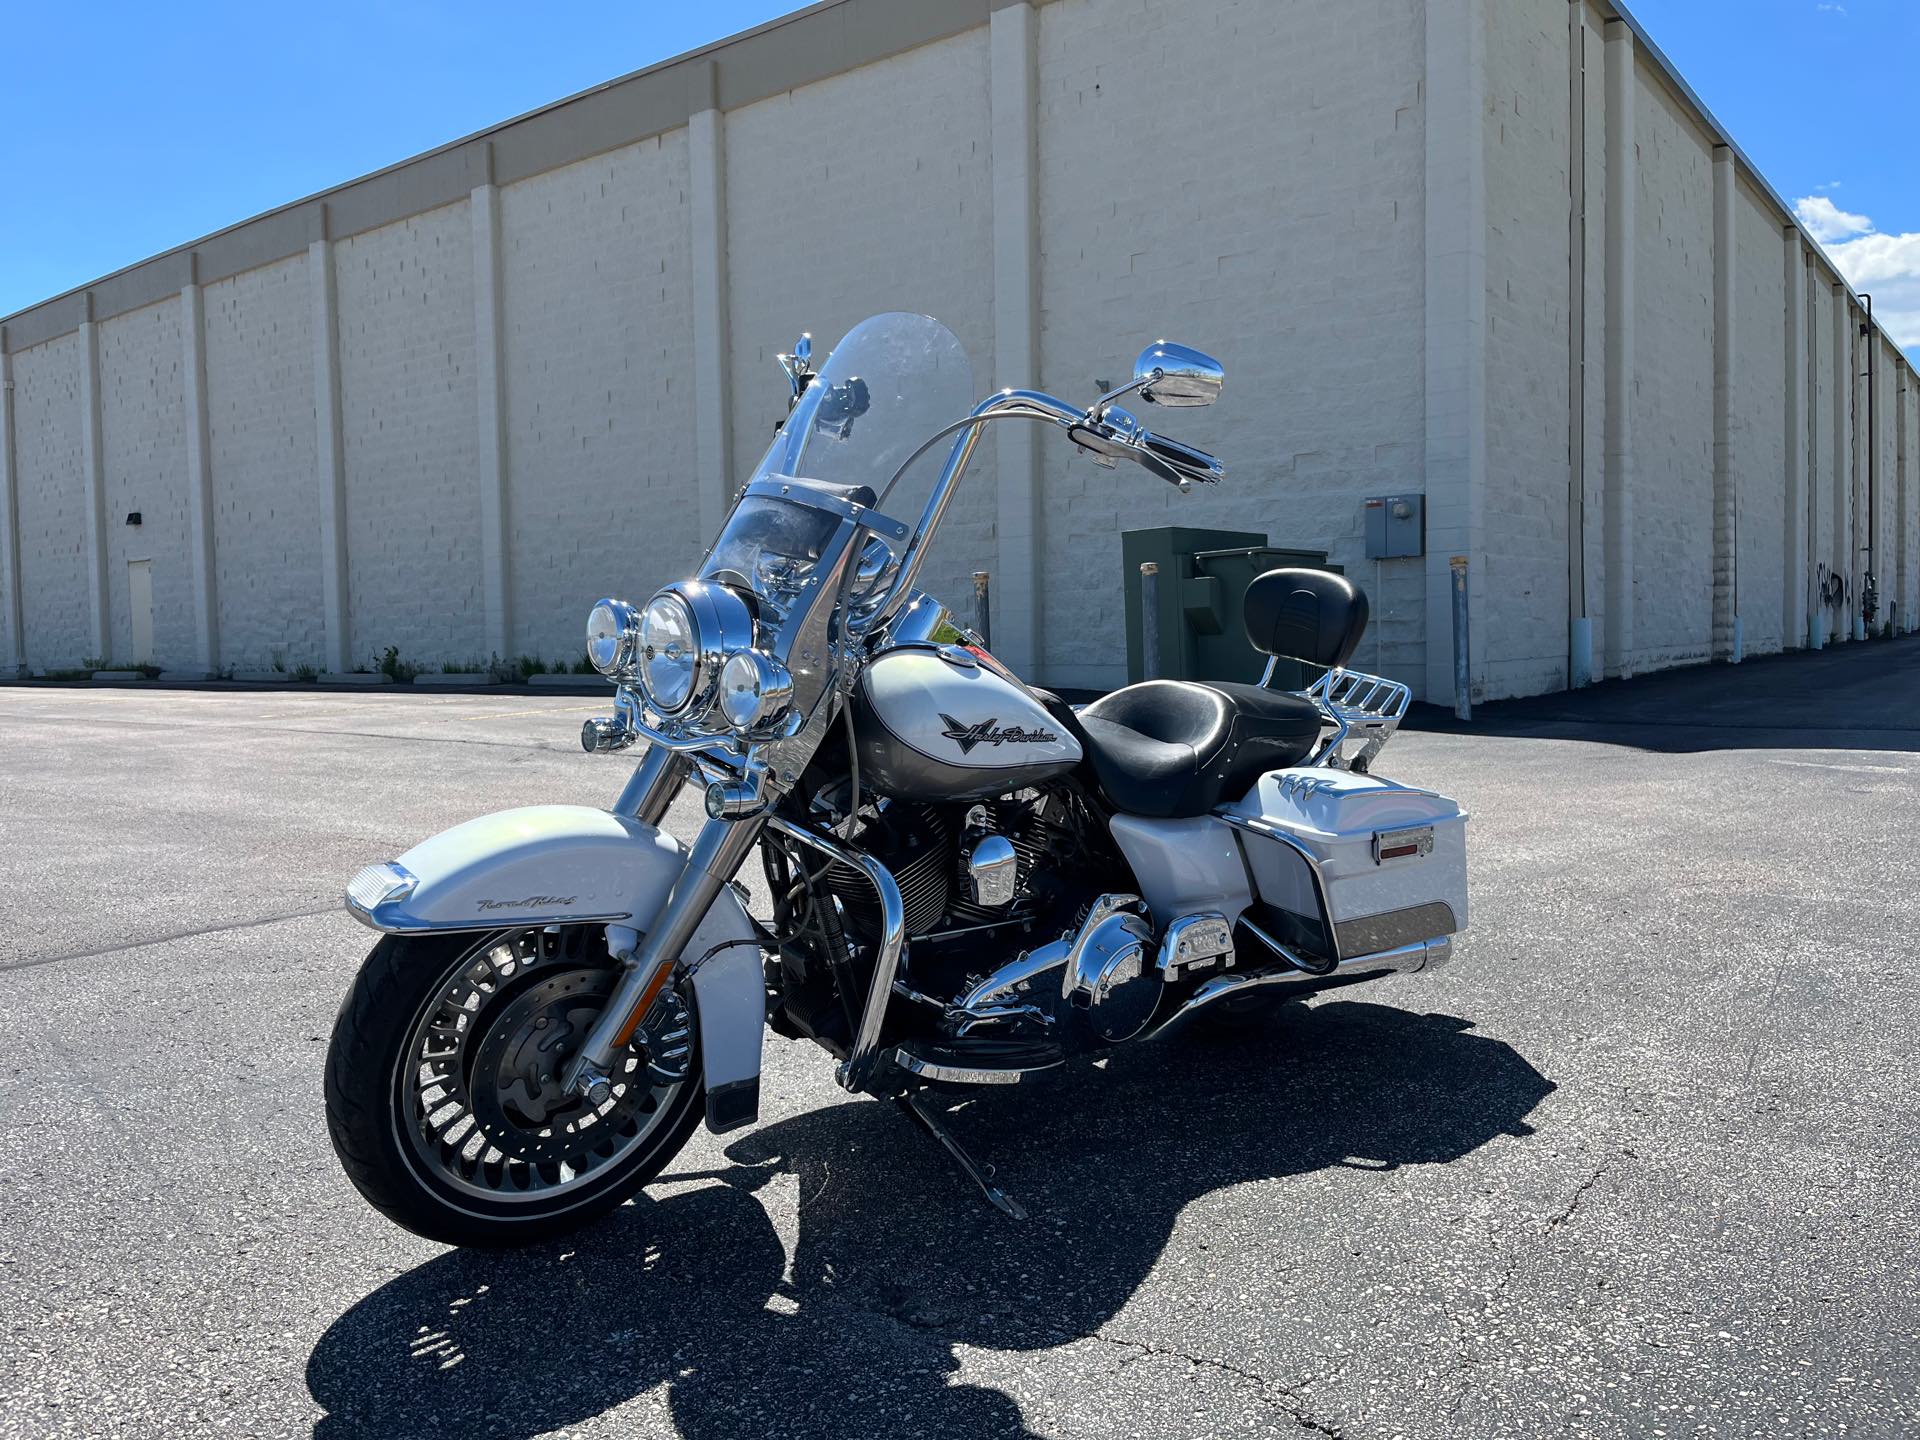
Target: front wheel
443	1093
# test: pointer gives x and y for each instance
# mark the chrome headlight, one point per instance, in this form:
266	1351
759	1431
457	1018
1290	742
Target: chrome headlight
755	689
669	653
613	638
686	633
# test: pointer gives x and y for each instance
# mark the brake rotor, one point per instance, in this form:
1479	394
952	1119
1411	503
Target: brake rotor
516	1093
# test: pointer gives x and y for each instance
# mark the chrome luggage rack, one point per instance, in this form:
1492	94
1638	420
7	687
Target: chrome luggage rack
1360	707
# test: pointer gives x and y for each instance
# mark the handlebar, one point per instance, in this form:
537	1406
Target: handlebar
1108	433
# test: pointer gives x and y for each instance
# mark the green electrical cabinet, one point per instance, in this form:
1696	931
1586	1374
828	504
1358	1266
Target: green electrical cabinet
1203	575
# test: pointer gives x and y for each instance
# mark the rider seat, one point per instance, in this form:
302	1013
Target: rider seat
1173	748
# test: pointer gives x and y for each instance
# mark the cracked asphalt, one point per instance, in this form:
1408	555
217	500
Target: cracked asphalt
1639	1162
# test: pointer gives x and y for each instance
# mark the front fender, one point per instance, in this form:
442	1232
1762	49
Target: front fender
573	865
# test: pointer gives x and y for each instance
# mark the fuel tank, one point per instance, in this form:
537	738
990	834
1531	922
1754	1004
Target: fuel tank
949	722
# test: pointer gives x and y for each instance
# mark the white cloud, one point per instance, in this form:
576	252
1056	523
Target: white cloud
1826	7
1887	266
1827	222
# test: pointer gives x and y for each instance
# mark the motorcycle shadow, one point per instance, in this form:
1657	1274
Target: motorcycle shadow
898	1260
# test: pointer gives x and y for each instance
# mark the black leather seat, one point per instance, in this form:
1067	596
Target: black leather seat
1168	748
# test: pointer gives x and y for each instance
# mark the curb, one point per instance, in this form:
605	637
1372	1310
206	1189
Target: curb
579	684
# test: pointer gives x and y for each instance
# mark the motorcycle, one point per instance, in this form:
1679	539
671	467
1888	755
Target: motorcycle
972	882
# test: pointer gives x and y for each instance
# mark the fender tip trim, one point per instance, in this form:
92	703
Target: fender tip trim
733	1105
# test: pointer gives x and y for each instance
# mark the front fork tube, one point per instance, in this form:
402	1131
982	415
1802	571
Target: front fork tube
717	853
656	781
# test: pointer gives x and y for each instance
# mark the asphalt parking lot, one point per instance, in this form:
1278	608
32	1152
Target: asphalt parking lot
1639	1162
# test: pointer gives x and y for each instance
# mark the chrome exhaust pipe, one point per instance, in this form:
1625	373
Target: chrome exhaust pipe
1296	969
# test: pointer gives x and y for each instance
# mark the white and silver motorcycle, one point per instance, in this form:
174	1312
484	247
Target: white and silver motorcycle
972	882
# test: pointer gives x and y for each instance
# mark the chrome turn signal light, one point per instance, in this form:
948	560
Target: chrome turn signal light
603	733
736	799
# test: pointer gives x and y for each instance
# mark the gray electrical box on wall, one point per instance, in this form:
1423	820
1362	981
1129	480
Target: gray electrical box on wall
1396	526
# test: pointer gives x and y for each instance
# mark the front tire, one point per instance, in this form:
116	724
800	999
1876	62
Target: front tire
442	1096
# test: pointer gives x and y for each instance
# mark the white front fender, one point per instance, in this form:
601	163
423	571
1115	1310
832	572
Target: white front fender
572	865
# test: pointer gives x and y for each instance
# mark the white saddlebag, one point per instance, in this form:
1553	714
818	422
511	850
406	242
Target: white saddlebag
1390	861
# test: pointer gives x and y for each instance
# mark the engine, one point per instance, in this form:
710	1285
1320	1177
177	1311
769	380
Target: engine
981	882
959	867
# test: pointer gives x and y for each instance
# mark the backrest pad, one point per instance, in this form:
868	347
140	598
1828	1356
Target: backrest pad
1310	615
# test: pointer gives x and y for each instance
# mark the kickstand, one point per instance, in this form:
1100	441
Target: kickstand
996	1197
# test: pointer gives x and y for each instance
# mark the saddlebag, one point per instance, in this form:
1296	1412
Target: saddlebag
1349	865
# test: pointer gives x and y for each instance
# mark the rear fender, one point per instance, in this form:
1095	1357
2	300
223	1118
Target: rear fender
574	865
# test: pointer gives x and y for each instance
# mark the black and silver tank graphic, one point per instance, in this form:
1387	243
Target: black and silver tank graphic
934	725
988	732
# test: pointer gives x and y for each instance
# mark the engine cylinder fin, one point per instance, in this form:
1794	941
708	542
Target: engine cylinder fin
917	846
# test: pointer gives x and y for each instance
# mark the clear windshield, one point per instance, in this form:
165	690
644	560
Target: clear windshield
892	382
889	385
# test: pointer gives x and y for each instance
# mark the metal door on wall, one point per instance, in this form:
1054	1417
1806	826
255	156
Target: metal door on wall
140	604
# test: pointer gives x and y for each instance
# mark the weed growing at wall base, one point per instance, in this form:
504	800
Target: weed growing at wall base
401	672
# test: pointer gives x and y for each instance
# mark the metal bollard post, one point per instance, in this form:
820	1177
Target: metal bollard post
1149	620
1462	671
982	618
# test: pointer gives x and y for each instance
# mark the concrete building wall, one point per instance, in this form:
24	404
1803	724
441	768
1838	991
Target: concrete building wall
822	234
1759	416
1588	440
51	496
1828	549
599	392
407	419
141	415
1278	226
1673	385
1529	267
1887	537
266	493
1907	513
448	405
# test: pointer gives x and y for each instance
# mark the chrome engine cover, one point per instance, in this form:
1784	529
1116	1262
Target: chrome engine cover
1111	980
992	870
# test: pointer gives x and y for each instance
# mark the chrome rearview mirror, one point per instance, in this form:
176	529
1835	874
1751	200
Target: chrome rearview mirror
1177	375
798	367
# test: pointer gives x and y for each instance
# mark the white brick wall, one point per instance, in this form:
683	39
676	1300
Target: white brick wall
1887	483
409	428
1906	566
143	449
1673	386
1594	319
266	499
1528	272
1280	224
599	397
1829	549
1759	421
1277	225
52	503
867	192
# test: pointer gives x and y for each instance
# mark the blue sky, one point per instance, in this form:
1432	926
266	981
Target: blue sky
140	127
1817	94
